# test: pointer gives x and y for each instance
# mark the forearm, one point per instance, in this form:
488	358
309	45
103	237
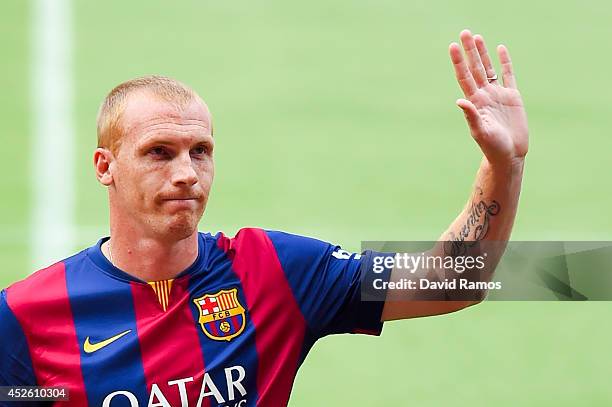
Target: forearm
491	210
483	228
487	217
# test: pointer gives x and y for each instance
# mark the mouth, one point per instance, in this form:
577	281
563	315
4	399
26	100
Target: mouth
183	202
180	199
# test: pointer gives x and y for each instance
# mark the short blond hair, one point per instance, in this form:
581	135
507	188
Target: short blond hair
109	126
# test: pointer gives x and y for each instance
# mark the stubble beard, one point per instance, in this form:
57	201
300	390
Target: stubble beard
182	226
176	226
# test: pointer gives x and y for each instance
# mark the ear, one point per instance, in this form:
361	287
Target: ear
103	158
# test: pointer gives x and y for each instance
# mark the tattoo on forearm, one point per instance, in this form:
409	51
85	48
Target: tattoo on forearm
475	228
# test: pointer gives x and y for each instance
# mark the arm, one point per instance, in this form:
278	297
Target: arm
15	363
498	123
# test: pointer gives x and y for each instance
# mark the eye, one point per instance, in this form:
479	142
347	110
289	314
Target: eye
199	150
158	152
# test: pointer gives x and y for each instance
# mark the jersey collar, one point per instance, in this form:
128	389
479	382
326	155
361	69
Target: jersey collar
100	260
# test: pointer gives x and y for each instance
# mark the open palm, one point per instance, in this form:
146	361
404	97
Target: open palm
494	112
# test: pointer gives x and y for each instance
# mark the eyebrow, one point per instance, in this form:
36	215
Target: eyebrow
159	138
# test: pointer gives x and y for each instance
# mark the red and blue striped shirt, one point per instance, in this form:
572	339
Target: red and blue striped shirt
231	330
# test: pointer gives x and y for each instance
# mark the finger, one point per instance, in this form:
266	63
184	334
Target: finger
463	74
484	57
472	117
474	62
506	63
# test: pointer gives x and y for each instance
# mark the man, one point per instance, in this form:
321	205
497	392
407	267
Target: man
159	314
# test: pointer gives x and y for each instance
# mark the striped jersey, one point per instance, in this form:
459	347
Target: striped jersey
231	330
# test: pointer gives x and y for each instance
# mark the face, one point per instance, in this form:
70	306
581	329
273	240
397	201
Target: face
163	170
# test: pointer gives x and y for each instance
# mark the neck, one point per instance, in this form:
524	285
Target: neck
151	259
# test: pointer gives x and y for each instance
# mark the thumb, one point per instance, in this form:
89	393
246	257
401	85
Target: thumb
472	117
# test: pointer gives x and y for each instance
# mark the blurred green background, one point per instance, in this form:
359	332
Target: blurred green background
337	120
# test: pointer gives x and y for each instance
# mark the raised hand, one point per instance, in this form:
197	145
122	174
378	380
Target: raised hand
494	111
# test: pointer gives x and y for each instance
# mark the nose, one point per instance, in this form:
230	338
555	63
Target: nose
183	171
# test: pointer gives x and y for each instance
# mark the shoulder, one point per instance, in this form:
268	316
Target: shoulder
29	288
43	286
250	238
292	251
251	235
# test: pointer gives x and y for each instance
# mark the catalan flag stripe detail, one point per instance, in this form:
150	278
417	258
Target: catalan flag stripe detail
162	291
164	296
166	292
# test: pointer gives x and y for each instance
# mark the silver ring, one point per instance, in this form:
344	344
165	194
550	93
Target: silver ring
492	78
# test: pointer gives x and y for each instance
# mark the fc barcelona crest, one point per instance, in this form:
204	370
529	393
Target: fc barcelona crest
221	315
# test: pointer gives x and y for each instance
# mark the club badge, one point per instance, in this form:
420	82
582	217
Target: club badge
221	315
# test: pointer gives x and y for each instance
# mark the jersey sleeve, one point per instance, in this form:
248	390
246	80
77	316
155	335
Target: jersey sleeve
327	283
15	362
